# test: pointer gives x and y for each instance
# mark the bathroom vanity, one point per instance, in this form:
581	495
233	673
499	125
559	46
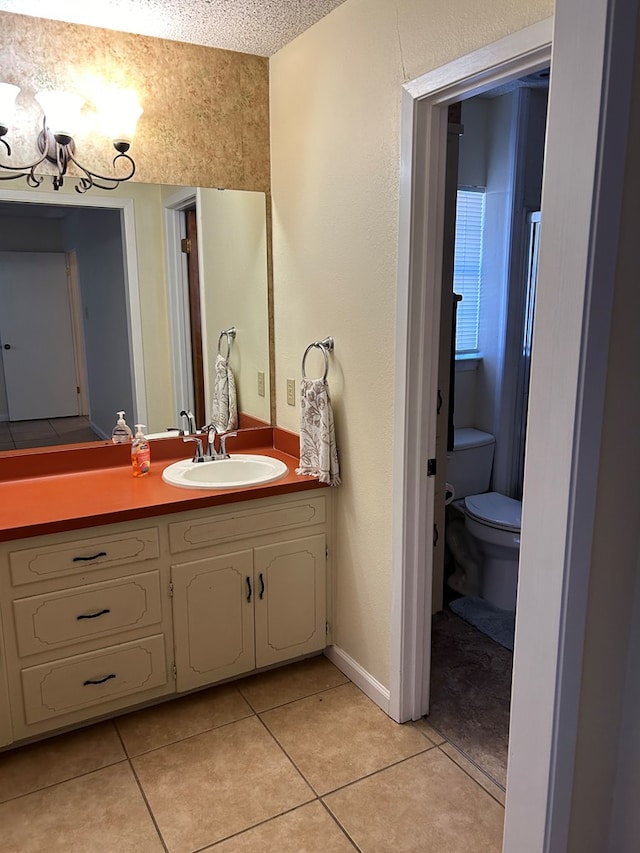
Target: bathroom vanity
176	596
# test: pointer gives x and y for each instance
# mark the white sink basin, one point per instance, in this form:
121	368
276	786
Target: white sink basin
240	469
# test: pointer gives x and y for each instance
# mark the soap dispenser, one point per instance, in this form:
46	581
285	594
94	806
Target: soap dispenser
121	432
140	453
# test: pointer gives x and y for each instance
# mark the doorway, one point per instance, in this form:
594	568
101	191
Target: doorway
586	150
103	274
40	356
419	288
497	178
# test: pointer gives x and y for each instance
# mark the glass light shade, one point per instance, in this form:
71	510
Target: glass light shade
8	94
119	117
62	111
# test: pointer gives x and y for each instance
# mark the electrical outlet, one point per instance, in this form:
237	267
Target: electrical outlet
291	392
260	383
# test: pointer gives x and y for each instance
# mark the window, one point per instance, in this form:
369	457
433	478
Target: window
467	267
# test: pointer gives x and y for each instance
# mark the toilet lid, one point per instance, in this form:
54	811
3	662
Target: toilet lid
495	509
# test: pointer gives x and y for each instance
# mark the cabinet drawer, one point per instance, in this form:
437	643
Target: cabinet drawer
46	622
228	526
63	686
50	561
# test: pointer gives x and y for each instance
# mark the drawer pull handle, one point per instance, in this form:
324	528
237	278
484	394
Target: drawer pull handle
99	680
94	557
93	615
248	589
261	586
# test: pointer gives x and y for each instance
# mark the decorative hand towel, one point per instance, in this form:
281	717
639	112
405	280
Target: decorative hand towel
224	408
318	452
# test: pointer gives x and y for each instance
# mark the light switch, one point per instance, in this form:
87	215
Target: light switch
291	392
260	383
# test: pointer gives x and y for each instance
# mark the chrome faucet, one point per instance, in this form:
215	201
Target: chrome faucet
198	455
191	421
212	431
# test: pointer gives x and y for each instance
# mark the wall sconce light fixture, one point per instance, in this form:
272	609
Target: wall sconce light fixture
56	139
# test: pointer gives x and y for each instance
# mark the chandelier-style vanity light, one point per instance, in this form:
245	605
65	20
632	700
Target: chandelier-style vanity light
56	144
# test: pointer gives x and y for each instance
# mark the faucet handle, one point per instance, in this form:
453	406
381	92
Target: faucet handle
199	455
223	442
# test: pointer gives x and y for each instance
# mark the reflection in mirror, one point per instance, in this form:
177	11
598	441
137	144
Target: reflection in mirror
97	312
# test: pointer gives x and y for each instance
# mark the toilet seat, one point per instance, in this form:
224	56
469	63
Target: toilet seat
495	510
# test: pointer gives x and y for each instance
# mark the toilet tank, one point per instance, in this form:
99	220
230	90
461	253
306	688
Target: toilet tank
469	464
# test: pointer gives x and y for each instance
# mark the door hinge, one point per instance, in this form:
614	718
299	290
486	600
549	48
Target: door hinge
77	389
174	670
170	589
326	552
431	467
185	245
436	535
326	628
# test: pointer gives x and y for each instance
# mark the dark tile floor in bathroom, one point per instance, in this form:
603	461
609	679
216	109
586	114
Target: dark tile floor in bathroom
471	692
48	432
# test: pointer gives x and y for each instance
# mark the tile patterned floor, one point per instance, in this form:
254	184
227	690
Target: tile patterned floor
18	435
295	760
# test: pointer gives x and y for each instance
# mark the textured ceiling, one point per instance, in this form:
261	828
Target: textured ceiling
261	27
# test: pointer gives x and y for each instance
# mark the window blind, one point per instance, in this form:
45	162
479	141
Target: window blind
467	267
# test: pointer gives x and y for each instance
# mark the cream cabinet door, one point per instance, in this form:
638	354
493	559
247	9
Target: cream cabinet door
213	618
290	599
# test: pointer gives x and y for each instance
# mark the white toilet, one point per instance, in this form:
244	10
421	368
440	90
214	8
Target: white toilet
491	518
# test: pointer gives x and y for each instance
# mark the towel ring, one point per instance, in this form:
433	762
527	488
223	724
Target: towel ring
230	335
325	346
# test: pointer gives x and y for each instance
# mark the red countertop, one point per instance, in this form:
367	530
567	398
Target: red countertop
55	489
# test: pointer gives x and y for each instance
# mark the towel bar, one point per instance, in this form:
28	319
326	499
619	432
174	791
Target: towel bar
230	335
325	346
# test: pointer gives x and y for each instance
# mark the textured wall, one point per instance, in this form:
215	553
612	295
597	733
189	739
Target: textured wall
206	111
335	147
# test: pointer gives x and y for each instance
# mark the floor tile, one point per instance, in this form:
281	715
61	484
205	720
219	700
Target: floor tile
309	829
70	424
34	766
428	731
423	805
286	684
475	772
78	436
339	736
471	692
101	812
181	718
208	787
23	442
31	429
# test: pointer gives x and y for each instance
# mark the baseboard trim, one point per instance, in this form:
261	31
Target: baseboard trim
369	685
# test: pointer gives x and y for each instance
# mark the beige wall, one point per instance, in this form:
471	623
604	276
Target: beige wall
233	251
335	96
206	114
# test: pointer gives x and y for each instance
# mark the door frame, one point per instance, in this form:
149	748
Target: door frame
589	104
130	258
73	283
423	161
178	297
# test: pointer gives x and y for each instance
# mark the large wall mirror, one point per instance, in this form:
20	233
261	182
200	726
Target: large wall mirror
117	300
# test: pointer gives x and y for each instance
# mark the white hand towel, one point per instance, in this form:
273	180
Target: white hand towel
224	407
318	452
